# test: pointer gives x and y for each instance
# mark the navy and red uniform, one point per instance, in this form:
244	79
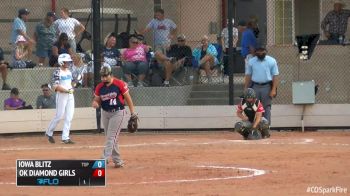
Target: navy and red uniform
112	96
113	114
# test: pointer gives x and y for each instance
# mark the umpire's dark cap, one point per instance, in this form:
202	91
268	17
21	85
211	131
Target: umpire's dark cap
260	48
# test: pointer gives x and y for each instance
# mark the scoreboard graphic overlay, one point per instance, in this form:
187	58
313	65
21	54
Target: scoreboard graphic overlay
61	172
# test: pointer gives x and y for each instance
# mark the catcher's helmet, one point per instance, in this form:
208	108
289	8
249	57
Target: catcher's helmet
105	70
249	94
64	58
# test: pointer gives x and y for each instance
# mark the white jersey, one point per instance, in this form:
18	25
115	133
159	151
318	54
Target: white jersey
62	78
67	26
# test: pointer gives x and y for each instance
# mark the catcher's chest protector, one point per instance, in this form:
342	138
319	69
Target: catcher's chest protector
250	109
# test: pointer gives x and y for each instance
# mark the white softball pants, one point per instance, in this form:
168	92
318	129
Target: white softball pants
64	105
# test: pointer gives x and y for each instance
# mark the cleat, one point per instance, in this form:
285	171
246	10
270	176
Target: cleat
6	87
50	138
118	165
68	141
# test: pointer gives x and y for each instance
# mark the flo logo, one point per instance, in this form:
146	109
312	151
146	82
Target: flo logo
48	181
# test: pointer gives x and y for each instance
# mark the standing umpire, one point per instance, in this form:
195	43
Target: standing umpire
261	74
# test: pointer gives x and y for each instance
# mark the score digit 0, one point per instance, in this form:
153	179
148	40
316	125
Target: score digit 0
98	173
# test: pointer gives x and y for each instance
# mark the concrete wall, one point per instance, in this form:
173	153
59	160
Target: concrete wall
181	117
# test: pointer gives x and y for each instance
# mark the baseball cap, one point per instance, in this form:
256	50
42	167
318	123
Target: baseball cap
260	47
51	14
242	23
105	70
181	37
23	11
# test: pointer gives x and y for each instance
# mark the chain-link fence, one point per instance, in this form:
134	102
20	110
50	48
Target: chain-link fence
162	75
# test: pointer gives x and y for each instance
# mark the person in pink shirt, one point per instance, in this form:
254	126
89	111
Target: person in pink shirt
135	62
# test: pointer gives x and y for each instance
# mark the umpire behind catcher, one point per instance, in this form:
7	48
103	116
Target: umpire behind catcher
110	95
261	74
253	126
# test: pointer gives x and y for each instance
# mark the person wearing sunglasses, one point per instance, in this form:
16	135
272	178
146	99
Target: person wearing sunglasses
47	100
135	64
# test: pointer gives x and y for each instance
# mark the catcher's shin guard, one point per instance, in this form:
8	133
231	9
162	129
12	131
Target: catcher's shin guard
265	127
239	128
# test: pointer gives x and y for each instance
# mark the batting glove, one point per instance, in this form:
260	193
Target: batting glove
70	91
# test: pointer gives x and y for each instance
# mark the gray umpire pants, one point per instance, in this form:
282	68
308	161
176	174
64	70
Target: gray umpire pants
112	122
263	94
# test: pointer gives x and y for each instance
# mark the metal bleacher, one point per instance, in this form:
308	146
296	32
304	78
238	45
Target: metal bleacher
29	81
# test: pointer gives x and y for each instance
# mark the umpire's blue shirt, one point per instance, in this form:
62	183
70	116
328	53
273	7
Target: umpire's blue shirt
262	71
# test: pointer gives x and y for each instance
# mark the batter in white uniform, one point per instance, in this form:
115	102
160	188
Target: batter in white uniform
62	85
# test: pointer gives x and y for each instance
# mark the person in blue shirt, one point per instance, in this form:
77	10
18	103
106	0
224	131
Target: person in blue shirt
261	74
248	42
19	27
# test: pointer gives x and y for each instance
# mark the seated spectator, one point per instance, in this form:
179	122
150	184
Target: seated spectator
335	24
20	54
79	69
89	76
47	100
178	55
14	102
206	57
135	61
110	55
60	47
3	69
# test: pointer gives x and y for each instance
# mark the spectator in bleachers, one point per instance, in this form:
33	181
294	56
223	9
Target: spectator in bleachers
206	57
3	69
71	26
45	36
335	24
14	102
164	31
110	55
253	19
224	37
20	54
47	100
60	47
135	61
79	68
180	55
248	41
19	27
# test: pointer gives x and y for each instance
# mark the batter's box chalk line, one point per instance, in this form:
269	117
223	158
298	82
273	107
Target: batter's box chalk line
250	172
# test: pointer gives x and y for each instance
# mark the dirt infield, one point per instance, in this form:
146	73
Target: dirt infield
195	163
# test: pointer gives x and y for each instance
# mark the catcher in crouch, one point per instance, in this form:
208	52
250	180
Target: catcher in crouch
110	95
253	125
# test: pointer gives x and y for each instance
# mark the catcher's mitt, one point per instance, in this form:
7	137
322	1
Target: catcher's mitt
132	123
254	135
